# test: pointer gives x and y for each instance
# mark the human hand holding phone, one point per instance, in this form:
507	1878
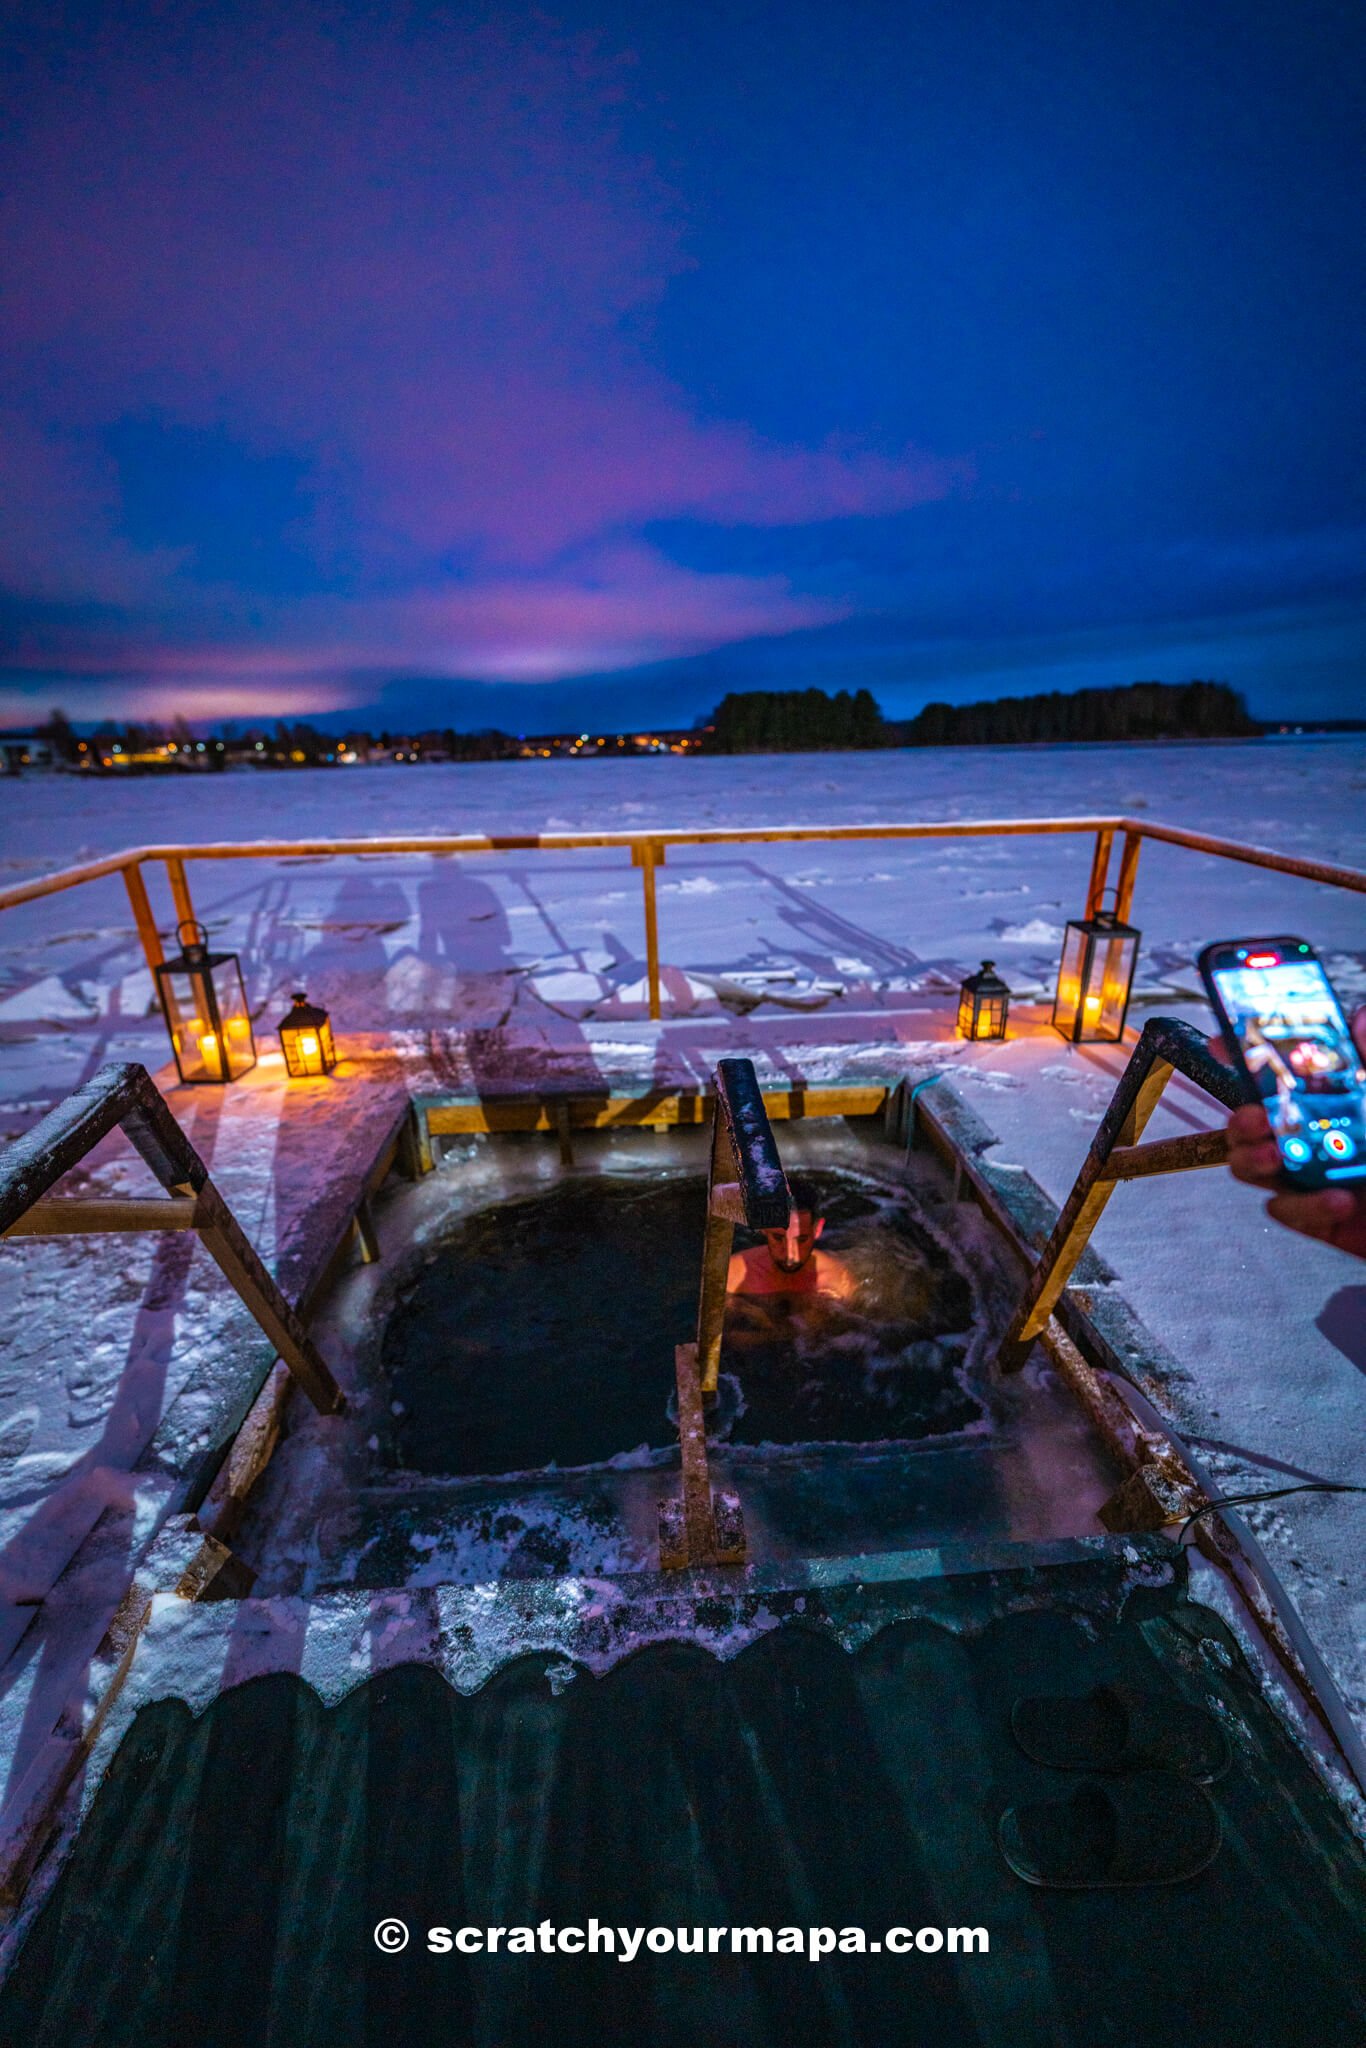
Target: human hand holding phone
1335	1215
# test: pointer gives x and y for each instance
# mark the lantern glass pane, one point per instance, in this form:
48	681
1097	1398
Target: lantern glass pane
1111	975
235	1033
965	1014
991	1017
192	1017
308	1049
206	1014
1067	1001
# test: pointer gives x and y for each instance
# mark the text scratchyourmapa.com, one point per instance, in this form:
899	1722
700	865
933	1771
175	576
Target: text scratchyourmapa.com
627	1943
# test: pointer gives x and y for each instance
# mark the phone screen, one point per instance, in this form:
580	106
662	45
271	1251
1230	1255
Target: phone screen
1296	1046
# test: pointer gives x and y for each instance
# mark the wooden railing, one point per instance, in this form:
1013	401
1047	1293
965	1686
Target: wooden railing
649	851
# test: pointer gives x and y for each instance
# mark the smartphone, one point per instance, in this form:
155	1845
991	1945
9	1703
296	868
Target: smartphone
1283	1026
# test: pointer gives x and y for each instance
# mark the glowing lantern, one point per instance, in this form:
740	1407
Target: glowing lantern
983	1004
1096	974
205	1006
306	1035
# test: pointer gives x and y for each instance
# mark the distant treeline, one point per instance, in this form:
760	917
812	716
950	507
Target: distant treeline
783	721
1137	711
795	721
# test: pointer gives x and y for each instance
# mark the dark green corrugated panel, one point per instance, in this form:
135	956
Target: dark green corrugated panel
225	1884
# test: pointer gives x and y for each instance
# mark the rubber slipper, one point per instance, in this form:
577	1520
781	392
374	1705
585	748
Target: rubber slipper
1120	1728
1151	1828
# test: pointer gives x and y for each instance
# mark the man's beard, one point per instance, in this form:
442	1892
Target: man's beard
789	1265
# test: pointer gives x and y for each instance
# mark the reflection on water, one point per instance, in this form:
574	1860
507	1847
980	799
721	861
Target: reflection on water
884	1363
543	1332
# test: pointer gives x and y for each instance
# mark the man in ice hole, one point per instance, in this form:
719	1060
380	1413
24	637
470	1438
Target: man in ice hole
788	1262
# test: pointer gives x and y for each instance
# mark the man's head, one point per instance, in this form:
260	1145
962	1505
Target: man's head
791	1248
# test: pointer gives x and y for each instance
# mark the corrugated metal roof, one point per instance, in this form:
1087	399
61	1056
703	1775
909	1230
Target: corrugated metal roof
227	1880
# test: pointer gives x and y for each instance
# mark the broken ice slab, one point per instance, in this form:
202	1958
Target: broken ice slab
746	992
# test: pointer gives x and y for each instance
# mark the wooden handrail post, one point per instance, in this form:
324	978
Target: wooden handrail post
1100	868
1128	875
180	891
142	916
647	855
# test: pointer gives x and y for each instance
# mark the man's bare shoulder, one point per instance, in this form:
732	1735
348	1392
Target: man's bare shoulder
745	1274
834	1277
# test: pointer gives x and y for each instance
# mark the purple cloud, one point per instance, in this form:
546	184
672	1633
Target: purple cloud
423	263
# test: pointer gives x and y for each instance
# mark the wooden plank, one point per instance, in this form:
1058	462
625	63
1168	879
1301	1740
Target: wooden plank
1128	875
1136	1096
1082	1211
718	1235
532	1113
66	878
37	1159
1100	867
689	1108
413	1145
384	1164
247	1456
180	891
363	1229
808	1103
136	885
754	1160
647	855
1253	856
65	1216
1166	1155
447	1119
692	1441
237	1260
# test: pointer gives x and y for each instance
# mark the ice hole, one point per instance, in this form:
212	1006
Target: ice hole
542	1333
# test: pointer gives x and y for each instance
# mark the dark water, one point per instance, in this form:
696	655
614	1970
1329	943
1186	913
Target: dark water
543	1332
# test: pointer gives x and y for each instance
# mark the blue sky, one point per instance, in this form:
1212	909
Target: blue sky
462	366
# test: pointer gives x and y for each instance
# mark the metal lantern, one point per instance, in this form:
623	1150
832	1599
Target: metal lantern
1096	974
983	1004
306	1035
205	1005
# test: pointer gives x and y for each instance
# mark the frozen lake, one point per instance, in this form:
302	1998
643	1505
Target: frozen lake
537	942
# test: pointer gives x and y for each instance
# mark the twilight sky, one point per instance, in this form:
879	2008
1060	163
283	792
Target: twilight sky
488	365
